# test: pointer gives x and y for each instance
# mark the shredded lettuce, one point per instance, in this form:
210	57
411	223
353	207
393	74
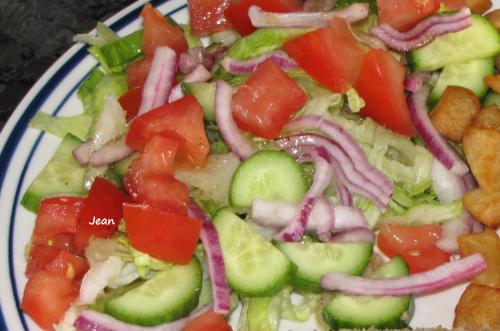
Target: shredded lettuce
426	214
192	40
103	36
298	312
355	102
60	126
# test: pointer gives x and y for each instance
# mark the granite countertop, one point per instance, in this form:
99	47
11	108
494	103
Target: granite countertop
34	33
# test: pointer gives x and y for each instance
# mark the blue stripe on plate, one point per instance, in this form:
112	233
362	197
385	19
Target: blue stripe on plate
20	128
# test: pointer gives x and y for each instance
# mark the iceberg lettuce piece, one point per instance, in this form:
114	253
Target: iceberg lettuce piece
60	126
426	214
103	36
355	102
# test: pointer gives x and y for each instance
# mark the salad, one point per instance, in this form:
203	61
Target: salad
271	161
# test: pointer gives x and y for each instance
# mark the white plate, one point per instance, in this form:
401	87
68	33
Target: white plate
24	152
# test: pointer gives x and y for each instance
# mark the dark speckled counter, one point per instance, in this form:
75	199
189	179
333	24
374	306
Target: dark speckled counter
34	33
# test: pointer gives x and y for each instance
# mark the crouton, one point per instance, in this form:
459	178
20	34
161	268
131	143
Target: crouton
494	18
478	309
488	245
484	206
456	110
493	82
488	118
478	6
482	151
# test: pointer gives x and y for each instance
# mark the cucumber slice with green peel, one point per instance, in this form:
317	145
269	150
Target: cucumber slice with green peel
270	175
205	94
63	175
479	41
491	98
254	267
347	311
469	75
169	295
120	168
314	259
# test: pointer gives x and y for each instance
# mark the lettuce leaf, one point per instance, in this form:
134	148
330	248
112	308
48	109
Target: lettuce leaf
426	214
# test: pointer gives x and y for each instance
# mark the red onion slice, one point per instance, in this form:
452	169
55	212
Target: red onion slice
83	152
90	320
295	230
198	75
238	67
263	19
241	146
159	82
422	40
424	282
323	217
113	152
221	292
436	144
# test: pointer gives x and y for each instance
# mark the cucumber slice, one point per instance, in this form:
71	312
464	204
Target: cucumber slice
316	259
491	98
469	74
346	311
63	175
254	267
268	174
120	168
205	94
479	41
169	295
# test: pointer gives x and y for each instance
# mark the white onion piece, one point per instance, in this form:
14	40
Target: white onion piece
90	320
451	230
276	214
263	19
221	292
198	75
241	146
347	218
160	79
448	187
354	235
436	144
239	67
323	217
112	152
97	278
295	229
424	282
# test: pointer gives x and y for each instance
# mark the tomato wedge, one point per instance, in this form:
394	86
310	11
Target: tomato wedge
405	14
381	85
159	32
207	16
330	55
265	102
165	236
208	321
102	213
131	102
416	244
47	296
237	13
69	265
56	216
181	120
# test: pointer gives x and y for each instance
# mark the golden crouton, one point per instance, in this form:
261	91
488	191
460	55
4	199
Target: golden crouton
482	151
455	111
493	82
478	309
484	206
488	245
494	18
488	118
478	6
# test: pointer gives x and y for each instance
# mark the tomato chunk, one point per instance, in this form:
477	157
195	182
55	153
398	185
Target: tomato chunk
159	32
181	120
165	236
416	244
208	321
264	104
207	16
102	213
405	14
39	257
47	296
381	85
237	12
56	216
137	73
330	55
68	265
131	102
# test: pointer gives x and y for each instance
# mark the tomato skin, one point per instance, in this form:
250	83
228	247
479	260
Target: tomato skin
381	85
64	260
331	56
181	120
207	16
104	201
165	236
56	216
415	244
237	12
405	14
137	73
208	321
265	102
131	102
39	257
159	32
47	296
